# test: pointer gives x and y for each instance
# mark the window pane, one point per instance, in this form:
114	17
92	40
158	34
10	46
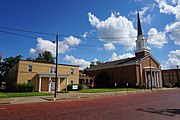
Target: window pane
54	70
51	69
72	71
29	68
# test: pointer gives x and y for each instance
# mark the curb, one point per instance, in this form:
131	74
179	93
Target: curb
7	101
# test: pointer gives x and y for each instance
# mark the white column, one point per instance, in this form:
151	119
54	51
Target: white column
157	79
59	84
153	78
39	84
145	78
66	83
160	79
49	85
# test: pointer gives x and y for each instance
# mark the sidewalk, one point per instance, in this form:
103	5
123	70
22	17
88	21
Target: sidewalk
62	96
68	96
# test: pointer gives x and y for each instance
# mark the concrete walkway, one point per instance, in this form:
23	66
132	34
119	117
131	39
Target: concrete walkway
67	96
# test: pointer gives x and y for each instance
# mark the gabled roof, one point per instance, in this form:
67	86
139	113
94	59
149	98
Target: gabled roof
113	64
120	63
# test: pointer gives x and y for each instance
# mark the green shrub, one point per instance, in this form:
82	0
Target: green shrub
21	88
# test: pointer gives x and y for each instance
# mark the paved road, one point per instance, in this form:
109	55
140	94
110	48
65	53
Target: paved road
158	105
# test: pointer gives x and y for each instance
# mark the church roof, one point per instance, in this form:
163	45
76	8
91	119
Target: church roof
114	64
120	63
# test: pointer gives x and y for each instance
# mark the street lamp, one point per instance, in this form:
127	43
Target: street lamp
150	72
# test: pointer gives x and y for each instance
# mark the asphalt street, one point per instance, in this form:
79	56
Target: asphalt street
157	105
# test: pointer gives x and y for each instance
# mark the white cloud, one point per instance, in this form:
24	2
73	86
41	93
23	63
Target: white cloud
143	11
155	38
71	41
62	47
119	57
174	9
80	62
43	45
115	29
173	59
174	1
169	9
85	35
175	32
109	46
47	45
145	18
94	62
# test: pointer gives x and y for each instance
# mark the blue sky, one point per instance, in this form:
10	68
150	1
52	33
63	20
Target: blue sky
91	30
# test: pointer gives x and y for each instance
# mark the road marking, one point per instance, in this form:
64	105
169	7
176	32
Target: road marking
2	108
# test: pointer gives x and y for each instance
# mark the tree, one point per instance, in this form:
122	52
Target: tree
30	59
95	63
45	57
6	65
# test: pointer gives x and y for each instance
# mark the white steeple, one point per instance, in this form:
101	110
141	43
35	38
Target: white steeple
141	42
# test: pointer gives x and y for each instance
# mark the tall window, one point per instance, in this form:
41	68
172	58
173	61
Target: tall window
52	70
86	81
72	71
29	68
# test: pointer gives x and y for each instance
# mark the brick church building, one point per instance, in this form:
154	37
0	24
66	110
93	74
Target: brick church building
143	70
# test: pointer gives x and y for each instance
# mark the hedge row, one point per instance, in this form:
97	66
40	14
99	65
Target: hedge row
21	88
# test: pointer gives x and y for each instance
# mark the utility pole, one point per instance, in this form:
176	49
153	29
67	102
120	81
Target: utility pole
150	72
177	75
56	77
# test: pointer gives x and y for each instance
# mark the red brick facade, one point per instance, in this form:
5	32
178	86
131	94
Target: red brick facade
135	73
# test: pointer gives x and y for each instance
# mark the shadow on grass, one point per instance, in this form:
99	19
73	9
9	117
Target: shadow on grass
166	112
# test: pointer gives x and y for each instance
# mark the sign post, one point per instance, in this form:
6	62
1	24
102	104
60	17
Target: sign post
115	84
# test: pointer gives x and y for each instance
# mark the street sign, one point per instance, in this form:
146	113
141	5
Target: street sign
75	87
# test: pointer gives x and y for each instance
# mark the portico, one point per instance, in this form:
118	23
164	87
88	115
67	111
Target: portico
155	76
48	82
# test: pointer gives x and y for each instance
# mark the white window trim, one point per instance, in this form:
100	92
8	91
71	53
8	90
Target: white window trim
72	71
29	68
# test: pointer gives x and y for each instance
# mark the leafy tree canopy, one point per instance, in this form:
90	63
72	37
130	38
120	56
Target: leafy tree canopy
6	65
45	57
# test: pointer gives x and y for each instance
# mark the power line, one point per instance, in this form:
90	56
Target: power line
107	38
27	31
90	45
92	51
18	34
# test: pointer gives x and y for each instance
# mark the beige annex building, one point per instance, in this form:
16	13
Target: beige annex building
42	75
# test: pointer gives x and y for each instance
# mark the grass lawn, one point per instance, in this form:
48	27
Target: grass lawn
23	94
100	90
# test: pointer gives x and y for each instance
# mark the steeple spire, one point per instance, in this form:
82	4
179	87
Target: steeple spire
141	46
139	32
